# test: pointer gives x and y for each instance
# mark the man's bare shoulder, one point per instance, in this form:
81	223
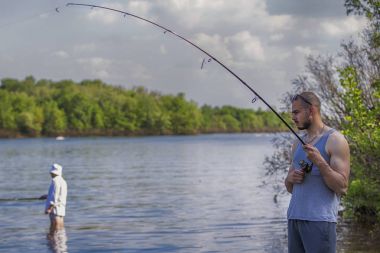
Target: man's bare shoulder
337	136
336	142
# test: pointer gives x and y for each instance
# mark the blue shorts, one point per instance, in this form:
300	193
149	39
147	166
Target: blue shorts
311	236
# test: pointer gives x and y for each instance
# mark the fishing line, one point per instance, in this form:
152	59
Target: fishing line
210	57
31	17
43	197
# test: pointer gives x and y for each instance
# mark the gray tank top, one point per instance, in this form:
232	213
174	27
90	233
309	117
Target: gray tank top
312	200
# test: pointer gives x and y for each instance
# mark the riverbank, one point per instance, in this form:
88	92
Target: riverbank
114	133
4	134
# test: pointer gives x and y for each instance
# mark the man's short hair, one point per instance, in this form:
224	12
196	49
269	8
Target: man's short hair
308	98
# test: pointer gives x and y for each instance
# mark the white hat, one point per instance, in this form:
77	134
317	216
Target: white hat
56	169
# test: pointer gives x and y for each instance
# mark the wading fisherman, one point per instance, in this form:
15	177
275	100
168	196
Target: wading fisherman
56	198
313	208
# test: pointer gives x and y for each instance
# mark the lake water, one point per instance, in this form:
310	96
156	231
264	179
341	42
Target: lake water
147	194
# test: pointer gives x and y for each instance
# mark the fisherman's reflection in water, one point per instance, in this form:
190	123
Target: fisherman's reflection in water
57	240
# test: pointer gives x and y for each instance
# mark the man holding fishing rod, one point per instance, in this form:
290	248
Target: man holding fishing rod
320	164
317	177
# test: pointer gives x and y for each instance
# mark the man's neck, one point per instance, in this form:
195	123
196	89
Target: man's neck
316	128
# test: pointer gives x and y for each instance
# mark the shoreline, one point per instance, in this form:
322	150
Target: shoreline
128	134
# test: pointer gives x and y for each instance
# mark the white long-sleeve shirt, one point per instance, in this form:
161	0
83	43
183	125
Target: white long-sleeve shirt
57	196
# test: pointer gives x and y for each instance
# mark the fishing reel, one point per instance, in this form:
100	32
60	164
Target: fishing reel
307	167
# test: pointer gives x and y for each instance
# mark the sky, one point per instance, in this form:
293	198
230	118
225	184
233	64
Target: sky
265	42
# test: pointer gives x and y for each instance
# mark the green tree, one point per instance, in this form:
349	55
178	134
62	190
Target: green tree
28	116
185	117
369	8
232	124
207	119
30	122
361	126
7	115
119	111
55	119
30	107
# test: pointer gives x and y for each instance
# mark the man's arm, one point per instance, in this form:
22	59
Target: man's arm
53	198
294	176
335	174
288	184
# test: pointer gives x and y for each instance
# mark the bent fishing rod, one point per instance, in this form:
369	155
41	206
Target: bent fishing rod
167	30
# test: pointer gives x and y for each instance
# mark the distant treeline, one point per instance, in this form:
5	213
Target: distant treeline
46	108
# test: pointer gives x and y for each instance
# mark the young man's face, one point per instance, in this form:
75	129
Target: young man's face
301	114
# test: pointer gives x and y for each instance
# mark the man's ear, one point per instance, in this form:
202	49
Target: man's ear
313	110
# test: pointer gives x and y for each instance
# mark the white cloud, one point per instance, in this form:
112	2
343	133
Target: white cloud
303	50
102	74
44	15
105	16
277	23
283	56
243	34
188	4
97	66
196	14
240	48
139	7
214	44
163	49
97	62
87	47
342	27
276	37
61	54
191	13
139	72
246	46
